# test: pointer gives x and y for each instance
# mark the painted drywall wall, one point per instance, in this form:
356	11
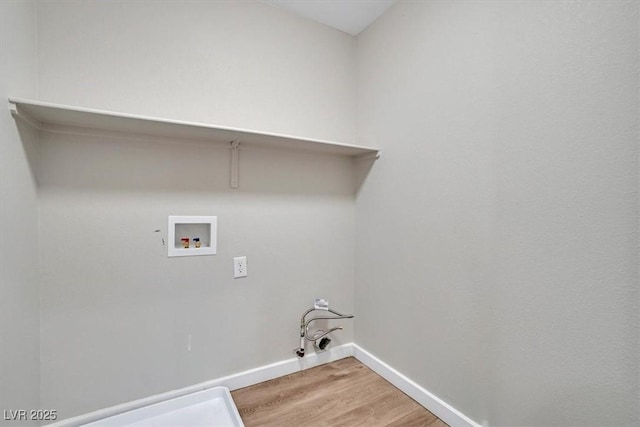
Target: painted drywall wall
19	278
497	240
238	64
122	321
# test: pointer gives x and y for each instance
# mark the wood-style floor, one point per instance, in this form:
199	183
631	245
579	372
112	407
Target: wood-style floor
341	393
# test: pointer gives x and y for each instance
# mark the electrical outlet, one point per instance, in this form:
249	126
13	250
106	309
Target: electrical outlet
239	267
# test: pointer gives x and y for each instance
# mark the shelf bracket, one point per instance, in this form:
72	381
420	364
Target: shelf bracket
15	112
369	156
235	163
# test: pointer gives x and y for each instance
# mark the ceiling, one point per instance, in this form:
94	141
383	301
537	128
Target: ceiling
350	16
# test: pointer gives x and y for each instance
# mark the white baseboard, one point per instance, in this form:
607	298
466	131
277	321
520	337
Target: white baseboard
232	382
433	403
285	367
440	408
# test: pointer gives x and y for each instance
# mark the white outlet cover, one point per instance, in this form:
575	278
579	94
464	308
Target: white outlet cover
239	266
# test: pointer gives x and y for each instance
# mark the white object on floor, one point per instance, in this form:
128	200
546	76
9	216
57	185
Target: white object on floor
212	407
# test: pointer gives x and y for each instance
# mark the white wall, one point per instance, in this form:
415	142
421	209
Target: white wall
236	63
19	274
19	277
116	312
497	239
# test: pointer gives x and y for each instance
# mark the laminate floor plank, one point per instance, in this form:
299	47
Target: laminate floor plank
342	393
416	418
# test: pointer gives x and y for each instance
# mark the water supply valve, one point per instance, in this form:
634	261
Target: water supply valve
319	337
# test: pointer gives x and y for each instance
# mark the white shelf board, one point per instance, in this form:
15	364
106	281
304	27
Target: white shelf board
50	116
